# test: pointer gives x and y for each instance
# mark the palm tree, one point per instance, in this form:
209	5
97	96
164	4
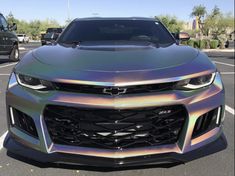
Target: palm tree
199	12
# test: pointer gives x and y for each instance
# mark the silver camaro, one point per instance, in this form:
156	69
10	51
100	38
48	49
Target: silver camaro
115	92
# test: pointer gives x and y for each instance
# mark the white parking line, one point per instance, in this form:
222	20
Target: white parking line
222	63
2	138
22	48
227	73
3	74
7	65
229	109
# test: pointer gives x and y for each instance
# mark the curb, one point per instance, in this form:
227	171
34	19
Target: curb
218	50
219	53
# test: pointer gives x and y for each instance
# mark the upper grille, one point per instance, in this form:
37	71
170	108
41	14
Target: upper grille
90	89
114	129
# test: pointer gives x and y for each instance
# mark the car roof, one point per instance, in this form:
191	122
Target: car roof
116	18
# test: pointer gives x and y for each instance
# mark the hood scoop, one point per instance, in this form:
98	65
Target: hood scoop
114	48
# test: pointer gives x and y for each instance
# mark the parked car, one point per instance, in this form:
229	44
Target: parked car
50	36
56	30
115	92
8	40
23	38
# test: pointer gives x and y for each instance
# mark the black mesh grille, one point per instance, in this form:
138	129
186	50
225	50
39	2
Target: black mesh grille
108	128
90	89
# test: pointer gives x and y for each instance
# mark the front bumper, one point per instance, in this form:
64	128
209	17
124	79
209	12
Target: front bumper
33	103
159	159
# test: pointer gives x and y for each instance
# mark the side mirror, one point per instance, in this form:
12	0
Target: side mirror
13	27
183	36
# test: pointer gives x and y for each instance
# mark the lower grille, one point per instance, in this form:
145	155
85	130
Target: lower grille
206	122
23	122
114	129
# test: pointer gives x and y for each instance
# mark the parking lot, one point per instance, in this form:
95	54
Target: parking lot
219	164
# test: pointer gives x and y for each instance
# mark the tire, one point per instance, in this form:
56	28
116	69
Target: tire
15	53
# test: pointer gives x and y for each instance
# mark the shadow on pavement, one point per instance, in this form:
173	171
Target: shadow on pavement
4	60
221	54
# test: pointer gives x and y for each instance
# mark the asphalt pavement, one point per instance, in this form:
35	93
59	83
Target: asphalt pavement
218	164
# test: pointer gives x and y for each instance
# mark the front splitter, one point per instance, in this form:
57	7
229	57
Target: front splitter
159	159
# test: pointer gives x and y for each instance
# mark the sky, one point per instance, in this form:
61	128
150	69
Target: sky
58	9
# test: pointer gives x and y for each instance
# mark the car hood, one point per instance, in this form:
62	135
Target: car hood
115	58
114	64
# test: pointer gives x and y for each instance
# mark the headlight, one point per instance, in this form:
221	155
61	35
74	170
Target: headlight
33	83
196	83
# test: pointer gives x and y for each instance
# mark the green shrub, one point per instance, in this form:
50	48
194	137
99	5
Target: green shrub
214	44
197	44
183	43
190	42
203	43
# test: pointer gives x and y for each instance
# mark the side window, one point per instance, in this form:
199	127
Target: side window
3	22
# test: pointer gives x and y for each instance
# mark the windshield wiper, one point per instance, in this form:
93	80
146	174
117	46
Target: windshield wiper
156	44
75	42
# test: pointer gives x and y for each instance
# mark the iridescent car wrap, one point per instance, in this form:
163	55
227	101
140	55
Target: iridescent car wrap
76	65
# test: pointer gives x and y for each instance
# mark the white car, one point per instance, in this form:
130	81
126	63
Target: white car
23	38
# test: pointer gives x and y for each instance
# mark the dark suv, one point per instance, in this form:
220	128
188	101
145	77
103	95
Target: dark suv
8	40
51	35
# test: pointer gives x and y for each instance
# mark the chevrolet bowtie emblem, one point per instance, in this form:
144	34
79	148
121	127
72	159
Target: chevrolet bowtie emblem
114	91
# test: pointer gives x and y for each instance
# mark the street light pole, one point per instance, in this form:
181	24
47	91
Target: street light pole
68	9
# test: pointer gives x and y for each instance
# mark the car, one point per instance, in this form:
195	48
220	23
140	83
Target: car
115	92
50	36
23	38
55	30
8	40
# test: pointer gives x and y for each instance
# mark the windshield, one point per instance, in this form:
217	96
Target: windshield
49	35
58	30
116	30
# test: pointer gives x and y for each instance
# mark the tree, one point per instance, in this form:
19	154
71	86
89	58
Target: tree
33	28
172	23
11	19
218	25
215	12
23	27
199	12
211	20
48	23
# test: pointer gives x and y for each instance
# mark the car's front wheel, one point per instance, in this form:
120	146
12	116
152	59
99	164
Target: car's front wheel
15	54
